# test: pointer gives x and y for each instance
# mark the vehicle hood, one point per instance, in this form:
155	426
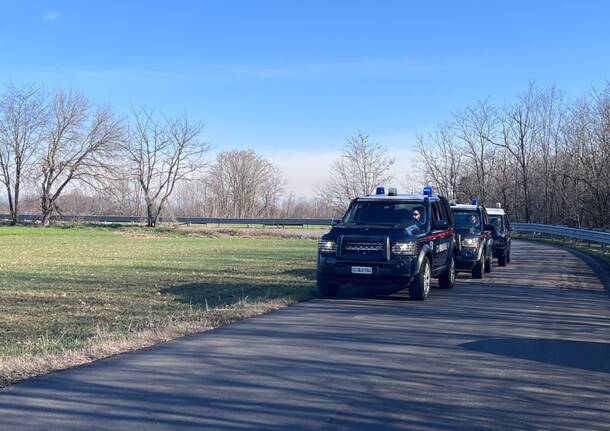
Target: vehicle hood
374	231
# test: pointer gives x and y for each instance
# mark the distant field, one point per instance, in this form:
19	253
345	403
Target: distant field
62	290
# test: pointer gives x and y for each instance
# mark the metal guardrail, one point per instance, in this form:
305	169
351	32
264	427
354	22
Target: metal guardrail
590	235
191	220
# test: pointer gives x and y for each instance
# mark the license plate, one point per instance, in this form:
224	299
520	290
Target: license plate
362	269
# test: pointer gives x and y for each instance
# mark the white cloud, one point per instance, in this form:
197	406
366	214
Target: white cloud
305	170
50	16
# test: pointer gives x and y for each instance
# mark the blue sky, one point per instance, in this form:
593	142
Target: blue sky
292	79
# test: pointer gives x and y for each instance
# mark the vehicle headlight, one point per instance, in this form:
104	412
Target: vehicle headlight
470	242
405	248
327	246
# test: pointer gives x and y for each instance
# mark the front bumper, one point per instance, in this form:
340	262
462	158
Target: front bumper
397	270
467	258
499	247
499	251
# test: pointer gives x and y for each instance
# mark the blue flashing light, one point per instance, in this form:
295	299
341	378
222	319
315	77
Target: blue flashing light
427	191
473	200
380	191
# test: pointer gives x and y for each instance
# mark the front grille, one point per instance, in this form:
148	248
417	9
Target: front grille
364	249
363	246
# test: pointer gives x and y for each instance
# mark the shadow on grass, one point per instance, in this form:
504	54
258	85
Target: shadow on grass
584	355
214	294
307	273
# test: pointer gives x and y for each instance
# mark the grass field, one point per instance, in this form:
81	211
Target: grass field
66	290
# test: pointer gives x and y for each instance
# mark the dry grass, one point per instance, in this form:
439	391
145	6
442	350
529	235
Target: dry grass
104	344
202	231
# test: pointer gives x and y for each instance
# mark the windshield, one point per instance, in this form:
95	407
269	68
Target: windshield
386	213
467	220
496	220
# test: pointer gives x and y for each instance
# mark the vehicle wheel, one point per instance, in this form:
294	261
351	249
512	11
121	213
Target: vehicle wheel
326	289
502	259
447	279
477	271
420	285
489	264
508	256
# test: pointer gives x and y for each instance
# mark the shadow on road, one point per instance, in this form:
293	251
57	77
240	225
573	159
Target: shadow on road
584	355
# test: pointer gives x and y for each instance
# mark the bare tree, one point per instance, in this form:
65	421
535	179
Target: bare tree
22	119
520	127
551	125
476	127
80	142
243	184
441	159
363	165
587	141
162	152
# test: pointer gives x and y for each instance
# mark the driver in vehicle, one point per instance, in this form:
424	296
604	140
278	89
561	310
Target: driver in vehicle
416	216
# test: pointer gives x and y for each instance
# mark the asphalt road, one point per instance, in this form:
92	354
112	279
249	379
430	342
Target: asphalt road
526	348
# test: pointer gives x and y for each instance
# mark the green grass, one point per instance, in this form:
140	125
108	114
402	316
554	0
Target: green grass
59	286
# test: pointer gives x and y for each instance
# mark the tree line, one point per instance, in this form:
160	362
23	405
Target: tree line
59	153
542	157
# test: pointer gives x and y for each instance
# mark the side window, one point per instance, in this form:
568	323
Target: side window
435	212
444	212
485	219
447	213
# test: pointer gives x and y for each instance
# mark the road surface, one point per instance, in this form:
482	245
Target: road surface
528	347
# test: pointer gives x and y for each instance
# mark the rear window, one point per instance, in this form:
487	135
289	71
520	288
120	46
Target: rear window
386	213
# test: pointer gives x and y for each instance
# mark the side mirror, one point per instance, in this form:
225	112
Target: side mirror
440	225
335	221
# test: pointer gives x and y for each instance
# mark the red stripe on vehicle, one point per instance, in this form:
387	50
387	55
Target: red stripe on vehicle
436	235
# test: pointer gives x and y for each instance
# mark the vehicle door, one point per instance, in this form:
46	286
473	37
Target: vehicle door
487	235
442	238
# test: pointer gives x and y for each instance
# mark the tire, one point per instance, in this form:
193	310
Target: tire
477	271
489	264
419	288
326	289
508	256
447	279
502	259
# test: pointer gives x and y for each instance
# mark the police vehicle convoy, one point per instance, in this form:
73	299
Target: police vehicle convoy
500	234
474	236
390	238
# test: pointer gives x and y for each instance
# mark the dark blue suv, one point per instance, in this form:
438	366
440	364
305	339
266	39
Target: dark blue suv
474	239
390	238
